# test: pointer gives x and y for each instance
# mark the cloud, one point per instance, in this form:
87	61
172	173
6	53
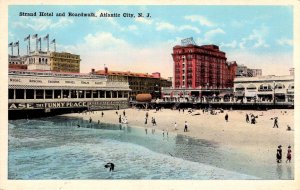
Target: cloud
42	23
285	42
256	39
209	35
61	23
104	48
164	26
168	26
100	41
132	27
188	27
203	21
232	44
143	20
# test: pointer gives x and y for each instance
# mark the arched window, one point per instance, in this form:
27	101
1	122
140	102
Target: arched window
239	87
265	87
39	60
251	87
279	86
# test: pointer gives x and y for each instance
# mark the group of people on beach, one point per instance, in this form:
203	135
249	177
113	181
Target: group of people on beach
253	118
279	154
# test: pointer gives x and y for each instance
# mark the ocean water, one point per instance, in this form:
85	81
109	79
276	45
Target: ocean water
55	148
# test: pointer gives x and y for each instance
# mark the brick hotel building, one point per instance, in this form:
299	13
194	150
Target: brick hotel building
202	67
200	71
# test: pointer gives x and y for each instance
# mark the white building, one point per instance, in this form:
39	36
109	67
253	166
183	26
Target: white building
264	89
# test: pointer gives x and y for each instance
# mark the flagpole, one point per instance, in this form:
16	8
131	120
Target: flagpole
18	48
40	40
47	42
11	45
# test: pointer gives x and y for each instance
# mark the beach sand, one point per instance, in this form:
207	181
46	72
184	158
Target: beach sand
259	140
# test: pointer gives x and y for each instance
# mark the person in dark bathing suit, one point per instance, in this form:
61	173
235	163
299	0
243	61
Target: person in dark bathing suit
279	154
111	166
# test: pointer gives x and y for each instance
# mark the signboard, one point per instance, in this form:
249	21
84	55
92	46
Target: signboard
51	81
54	105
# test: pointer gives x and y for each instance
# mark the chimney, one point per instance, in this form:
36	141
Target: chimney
93	71
105	70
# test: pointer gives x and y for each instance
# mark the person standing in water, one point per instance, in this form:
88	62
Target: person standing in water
289	155
279	154
185	127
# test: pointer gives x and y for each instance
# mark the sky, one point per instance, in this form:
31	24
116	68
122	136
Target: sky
256	36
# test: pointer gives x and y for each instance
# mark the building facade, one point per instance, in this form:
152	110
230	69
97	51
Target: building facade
264	89
65	62
202	67
244	71
48	91
139	83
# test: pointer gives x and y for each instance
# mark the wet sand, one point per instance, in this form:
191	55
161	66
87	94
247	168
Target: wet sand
259	140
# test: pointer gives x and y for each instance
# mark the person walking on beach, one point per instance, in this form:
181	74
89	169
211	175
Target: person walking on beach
279	154
226	117
90	120
102	114
175	126
185	127
275	122
247	118
289	155
147	115
124	113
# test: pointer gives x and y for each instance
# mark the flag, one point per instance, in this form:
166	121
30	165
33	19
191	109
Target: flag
53	41
46	37
10	44
27	38
34	36
16	44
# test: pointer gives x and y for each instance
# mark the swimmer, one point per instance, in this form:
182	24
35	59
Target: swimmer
110	165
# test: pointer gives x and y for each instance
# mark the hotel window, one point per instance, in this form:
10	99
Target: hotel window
73	94
102	94
19	93
29	94
48	94
114	94
39	94
107	94
11	94
88	94
57	94
95	94
65	93
81	94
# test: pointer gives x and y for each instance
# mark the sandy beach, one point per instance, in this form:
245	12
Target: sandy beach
259	140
